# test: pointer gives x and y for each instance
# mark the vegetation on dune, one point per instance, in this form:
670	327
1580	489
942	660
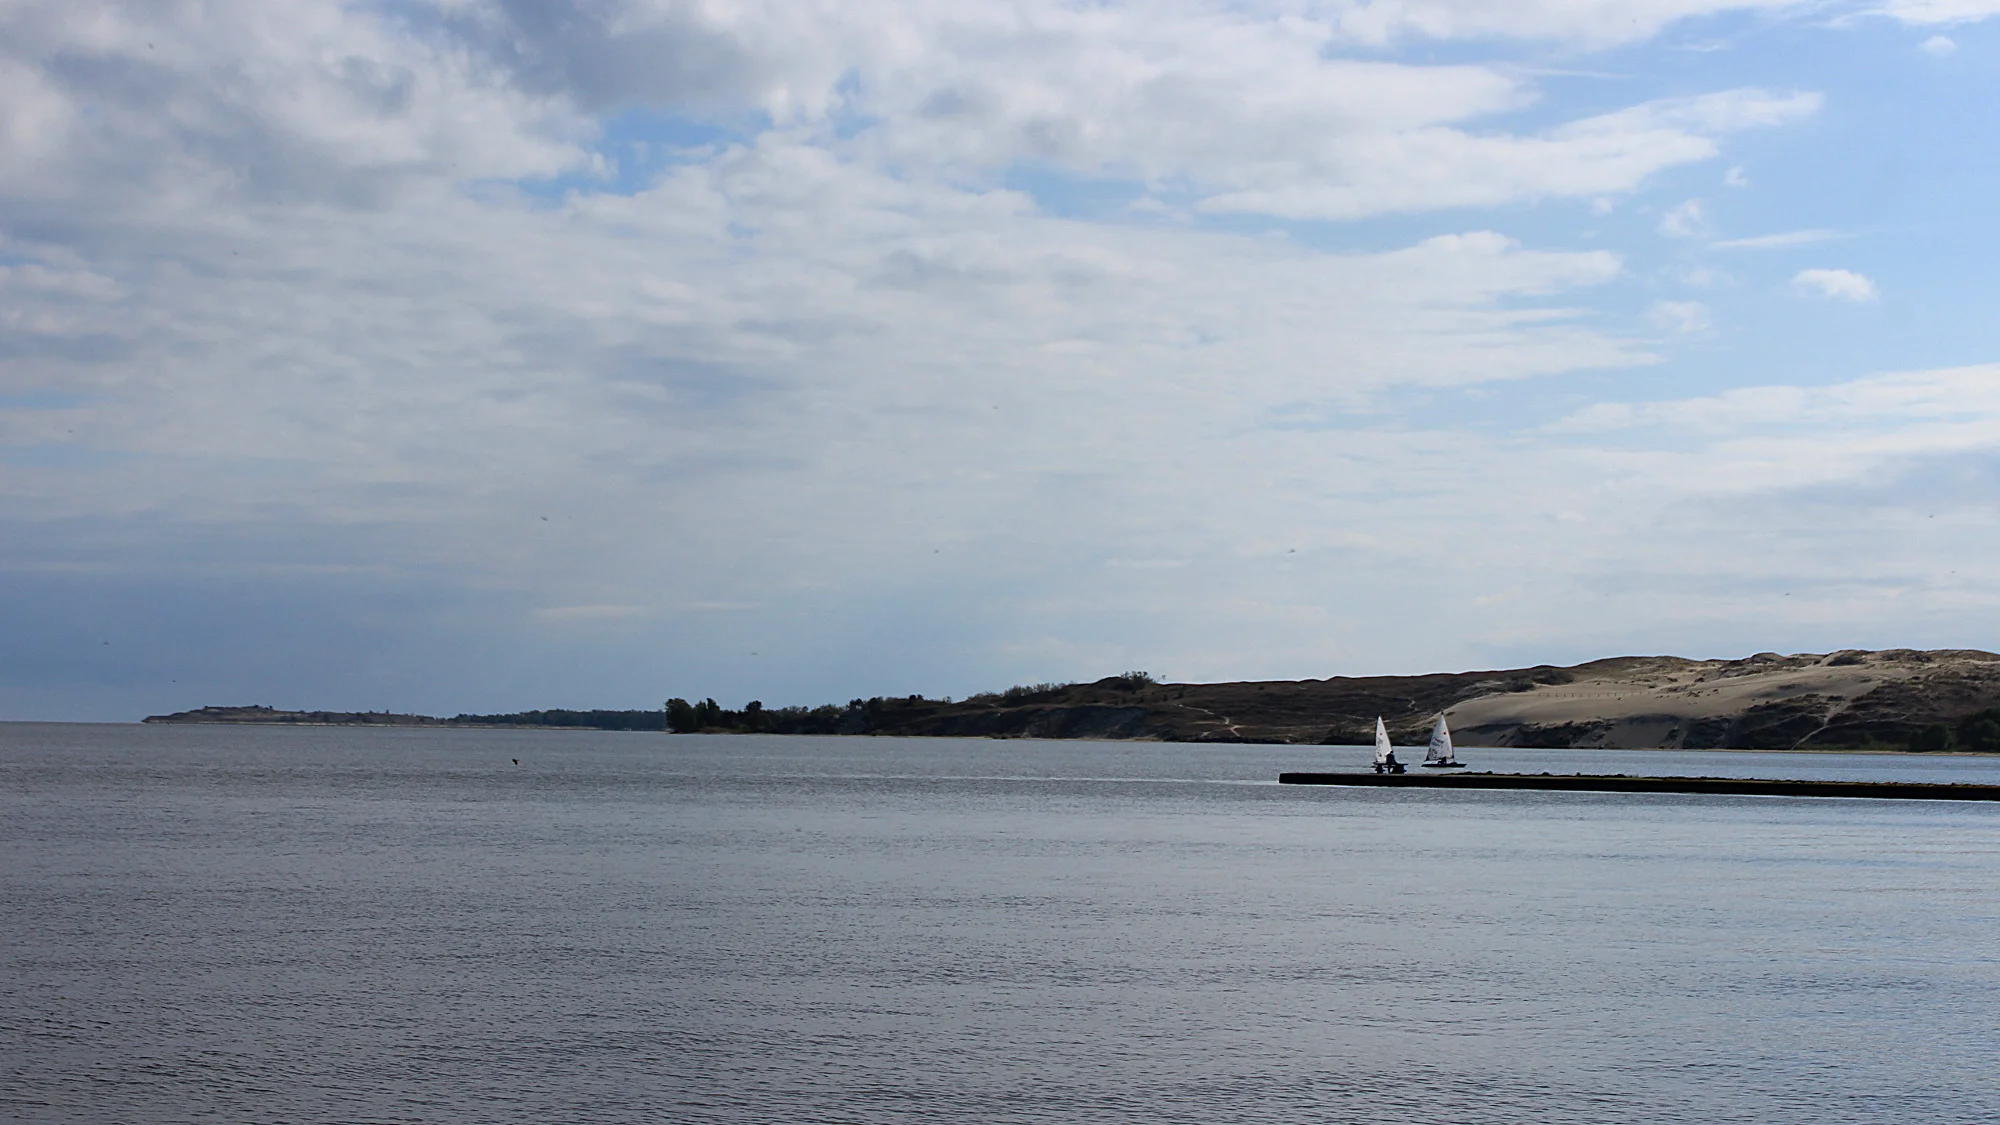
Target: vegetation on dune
1978	732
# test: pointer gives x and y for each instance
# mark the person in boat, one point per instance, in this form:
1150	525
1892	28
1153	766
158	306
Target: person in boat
1389	764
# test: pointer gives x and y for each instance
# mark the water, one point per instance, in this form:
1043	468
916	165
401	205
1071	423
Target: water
326	925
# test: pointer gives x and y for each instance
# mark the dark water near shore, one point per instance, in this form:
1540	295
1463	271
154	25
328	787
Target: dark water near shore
319	925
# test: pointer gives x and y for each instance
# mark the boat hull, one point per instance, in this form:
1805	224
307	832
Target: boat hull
1444	765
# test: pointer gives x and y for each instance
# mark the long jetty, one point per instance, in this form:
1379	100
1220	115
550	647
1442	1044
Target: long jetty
1621	783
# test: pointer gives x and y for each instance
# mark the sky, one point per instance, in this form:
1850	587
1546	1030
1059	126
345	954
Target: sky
477	355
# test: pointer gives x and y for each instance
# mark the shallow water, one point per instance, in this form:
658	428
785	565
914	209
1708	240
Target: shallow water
330	924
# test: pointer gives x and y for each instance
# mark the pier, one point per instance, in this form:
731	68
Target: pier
1621	783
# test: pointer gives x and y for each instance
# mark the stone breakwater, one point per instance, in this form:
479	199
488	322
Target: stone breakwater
1621	783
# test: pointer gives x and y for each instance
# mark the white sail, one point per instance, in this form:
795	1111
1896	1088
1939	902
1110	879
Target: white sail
1440	750
1381	742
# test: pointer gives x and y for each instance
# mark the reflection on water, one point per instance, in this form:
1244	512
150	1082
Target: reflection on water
329	924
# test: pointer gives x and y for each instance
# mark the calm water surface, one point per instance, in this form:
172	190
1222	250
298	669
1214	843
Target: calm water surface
329	925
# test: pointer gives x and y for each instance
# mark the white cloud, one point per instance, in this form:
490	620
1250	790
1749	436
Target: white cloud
35	280
1922	12
1436	167
1246	110
762	346
173	103
1590	22
1736	178
1705	504
1786	436
1685	220
1953	395
1938	46
592	612
1779	241
1844	285
1684	317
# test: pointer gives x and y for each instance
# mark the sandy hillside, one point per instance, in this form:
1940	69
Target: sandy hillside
1765	701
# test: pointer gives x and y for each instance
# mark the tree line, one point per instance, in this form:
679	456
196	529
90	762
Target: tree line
1979	732
860	716
586	720
863	716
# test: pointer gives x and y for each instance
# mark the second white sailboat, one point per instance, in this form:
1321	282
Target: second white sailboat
1441	756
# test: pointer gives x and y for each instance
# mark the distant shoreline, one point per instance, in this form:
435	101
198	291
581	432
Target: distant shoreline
558	719
443	725
439	725
1884	751
1893	701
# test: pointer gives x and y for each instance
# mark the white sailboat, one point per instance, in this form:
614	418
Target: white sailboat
1385	755
1441	756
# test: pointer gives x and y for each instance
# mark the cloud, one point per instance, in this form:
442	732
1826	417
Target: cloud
796	62
755	347
1243	109
1684	317
1237	109
1685	220
1713	504
592	612
32	280
1779	241
1923	12
1937	46
1435	167
1587	22
1790	436
1916	406
1844	285
1736	178
173	104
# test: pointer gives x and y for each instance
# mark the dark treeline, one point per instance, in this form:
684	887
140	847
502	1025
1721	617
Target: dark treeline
590	720
1979	732
860	716
867	716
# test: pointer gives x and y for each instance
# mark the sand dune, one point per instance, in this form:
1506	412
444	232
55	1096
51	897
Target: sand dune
1840	698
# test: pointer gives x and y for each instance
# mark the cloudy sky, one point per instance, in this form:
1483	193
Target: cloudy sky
484	354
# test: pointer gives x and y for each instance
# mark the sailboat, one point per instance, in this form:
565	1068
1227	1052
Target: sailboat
1441	756
1385	755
